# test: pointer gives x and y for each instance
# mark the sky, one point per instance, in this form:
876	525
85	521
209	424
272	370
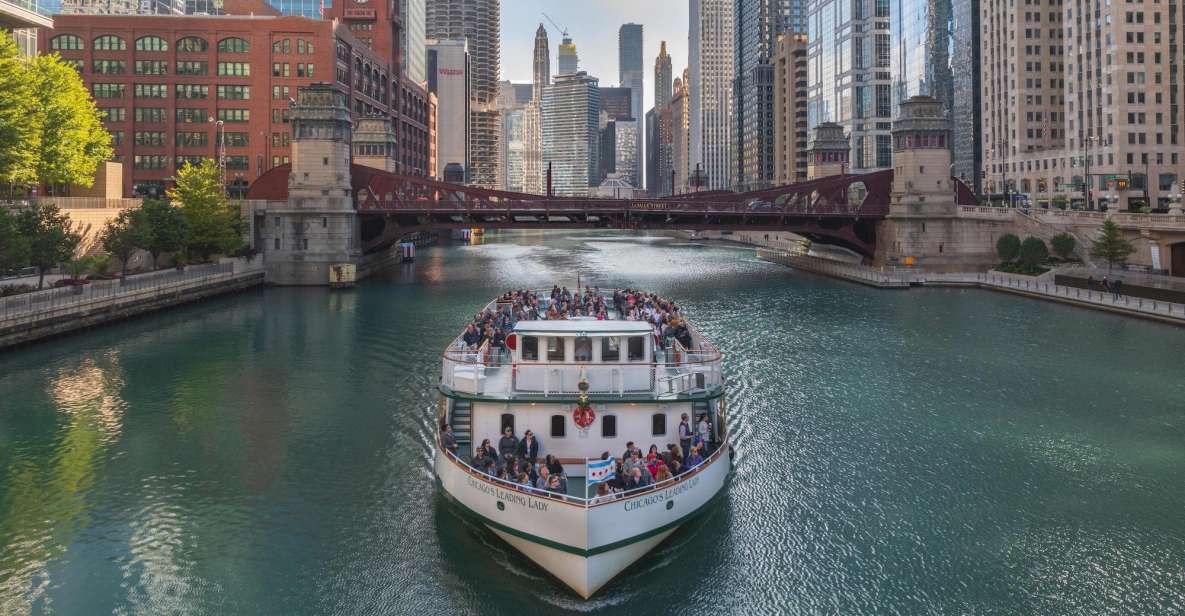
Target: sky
593	26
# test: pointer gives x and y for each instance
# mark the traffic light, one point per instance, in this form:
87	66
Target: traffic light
1121	183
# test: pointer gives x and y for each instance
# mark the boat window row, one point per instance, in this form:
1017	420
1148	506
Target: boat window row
559	425
554	349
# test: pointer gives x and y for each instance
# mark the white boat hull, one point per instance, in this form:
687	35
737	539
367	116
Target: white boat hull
583	546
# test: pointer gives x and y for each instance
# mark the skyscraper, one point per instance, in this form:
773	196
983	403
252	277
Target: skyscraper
966	131
790	126
411	39
541	68
680	134
571	139
617	103
658	147
478	21
921	57
711	60
662	77
513	152
568	61
758	25
533	181
631	75
448	78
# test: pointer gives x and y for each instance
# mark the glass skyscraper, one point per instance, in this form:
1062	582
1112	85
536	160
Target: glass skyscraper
921	59
631	75
571	133
757	26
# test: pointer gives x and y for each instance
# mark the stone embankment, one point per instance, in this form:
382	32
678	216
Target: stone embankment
1039	288
33	316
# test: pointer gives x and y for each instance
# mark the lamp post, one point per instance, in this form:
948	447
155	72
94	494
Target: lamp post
220	145
1086	161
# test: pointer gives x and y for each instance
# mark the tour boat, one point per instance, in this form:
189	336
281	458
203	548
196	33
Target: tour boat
583	387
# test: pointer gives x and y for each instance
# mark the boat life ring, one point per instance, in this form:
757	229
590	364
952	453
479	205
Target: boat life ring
583	416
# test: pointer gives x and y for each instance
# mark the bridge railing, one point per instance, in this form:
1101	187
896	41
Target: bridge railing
560	207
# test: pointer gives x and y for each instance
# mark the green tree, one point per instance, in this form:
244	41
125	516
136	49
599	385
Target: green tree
215	226
1008	247
1033	252
19	125
52	236
164	227
1063	245
72	139
1110	245
14	247
124	235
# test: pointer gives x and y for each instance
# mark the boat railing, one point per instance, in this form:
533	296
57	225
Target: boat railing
591	501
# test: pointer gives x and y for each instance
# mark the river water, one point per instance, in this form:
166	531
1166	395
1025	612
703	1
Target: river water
898	452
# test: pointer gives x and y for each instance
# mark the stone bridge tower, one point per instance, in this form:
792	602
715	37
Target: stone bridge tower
828	152
319	226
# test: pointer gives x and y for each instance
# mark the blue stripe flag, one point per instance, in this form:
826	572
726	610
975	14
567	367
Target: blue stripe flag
599	471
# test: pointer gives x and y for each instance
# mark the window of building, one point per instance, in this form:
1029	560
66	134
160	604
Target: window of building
234	69
116	138
280	93
280	69
279	160
190	91
152	67
235	93
658	424
107	90
192	44
109	42
113	114
192	115
189	159
151	43
559	426
150	115
149	138
108	67
282	46
192	140
235	140
238	163
279	140
608	426
555	349
192	67
233	45
151	161
65	42
234	115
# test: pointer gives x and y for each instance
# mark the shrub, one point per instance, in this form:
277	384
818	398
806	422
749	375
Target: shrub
1008	247
16	289
1063	245
1033	252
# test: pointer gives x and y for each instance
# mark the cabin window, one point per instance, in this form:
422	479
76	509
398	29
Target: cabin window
530	348
555	349
583	348
610	348
507	420
637	348
559	425
609	426
658	424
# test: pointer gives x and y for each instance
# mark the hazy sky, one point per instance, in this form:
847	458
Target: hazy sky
593	26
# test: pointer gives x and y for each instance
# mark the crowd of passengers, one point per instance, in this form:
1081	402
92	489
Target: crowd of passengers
517	460
493	325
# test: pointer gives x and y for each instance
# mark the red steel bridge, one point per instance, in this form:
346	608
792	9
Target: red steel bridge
842	209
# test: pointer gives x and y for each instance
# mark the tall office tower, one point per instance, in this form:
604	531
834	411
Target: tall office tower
758	25
533	172
571	139
849	63
617	150
616	102
966	138
448	78
513	100
710	123
680	110
1089	114
478	21
658	148
631	74
790	125
921	58
568	61
411	40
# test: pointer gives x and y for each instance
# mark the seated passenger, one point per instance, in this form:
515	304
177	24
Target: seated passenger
694	459
663	473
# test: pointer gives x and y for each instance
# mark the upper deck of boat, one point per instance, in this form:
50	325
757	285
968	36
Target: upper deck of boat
548	358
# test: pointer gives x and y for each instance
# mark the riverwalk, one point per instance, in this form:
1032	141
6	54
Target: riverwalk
32	316
1039	288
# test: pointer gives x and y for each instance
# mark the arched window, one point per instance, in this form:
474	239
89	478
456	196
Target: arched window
151	43
109	42
66	42
234	45
192	44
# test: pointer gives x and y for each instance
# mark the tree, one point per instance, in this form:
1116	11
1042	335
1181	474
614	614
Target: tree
1110	245
124	235
165	228
72	139
52	236
1008	247
215	226
14	247
19	125
1063	245
1033	252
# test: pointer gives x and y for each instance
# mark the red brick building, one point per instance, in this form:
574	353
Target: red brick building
174	87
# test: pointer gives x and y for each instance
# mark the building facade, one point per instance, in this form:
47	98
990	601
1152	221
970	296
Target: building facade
680	112
966	138
631	74
479	22
758	23
447	65
658	149
533	173
176	90
567	60
850	78
571	139
791	129
711	63
412	40
617	103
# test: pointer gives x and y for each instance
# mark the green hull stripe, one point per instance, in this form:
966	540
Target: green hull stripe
563	547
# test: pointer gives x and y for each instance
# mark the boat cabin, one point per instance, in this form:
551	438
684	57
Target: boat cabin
614	356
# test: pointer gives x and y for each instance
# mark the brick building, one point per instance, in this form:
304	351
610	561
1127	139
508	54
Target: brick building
175	87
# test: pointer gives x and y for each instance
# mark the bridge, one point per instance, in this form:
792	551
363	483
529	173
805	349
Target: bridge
841	209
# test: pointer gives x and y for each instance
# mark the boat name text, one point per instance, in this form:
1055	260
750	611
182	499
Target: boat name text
522	500
660	497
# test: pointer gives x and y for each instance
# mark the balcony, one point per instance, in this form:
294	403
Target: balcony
17	14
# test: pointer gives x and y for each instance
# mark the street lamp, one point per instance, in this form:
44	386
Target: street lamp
220	144
1086	161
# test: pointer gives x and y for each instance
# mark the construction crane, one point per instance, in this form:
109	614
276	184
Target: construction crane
563	31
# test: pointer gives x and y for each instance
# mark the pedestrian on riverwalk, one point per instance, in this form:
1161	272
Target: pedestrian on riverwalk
1090	283
1117	290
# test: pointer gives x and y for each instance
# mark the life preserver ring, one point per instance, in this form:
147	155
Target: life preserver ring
583	416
